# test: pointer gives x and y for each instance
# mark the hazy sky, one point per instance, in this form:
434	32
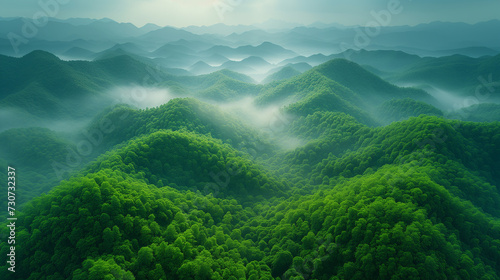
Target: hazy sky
207	12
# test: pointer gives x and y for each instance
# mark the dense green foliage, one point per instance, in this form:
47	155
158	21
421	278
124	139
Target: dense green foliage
402	109
58	89
187	161
338	85
328	102
187	191
141	211
371	87
222	85
33	149
180	114
283	74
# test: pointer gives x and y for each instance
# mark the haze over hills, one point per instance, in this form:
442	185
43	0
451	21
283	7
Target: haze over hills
179	48
270	151
457	73
309	40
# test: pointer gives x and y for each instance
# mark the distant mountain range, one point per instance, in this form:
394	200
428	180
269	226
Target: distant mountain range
199	153
402	55
305	40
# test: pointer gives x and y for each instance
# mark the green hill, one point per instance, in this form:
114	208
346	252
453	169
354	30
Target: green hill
344	78
328	134
384	60
34	151
381	212
185	160
485	112
302	86
457	73
176	159
337	86
402	109
188	190
180	114
371	87
329	102
283	74
224	85
44	86
47	157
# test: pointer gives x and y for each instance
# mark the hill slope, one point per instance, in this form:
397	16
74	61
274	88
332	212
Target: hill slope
457	73
44	86
402	109
187	190
369	88
392	214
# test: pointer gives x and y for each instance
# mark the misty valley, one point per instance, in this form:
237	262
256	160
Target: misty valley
245	152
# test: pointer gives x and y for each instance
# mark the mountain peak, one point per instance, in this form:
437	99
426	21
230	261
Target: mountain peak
269	45
338	63
255	59
41	55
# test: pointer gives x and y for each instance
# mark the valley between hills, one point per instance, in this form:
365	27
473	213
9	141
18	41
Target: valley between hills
194	153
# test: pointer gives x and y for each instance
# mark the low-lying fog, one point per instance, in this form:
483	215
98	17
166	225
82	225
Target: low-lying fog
270	121
450	101
140	97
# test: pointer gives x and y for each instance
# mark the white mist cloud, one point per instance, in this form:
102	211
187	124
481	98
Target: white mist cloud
12	118
141	97
271	121
246	110
15	118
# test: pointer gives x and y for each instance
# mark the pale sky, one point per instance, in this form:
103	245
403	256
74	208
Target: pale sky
232	12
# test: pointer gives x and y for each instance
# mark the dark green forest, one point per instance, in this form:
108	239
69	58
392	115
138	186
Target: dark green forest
381	182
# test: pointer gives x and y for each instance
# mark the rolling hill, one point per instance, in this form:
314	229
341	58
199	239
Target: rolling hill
35	150
223	85
266	51
78	53
484	112
384	60
347	176
457	73
283	74
177	115
83	82
169	49
371	87
343	78
402	109
129	215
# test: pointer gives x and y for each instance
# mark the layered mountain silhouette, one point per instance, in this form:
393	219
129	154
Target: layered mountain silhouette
251	152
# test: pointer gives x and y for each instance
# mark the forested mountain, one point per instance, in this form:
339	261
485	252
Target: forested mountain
57	89
343	80
385	60
484	112
458	73
179	115
164	156
283	74
222	85
401	109
371	87
401	213
36	149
